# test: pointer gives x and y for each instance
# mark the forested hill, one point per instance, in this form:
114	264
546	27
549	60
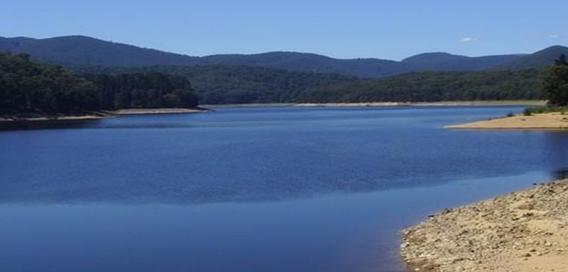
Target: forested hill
81	50
435	86
28	88
236	84
32	88
90	51
247	84
449	62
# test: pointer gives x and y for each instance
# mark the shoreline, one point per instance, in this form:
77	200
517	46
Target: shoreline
542	121
429	104
88	117
105	114
147	111
521	232
488	103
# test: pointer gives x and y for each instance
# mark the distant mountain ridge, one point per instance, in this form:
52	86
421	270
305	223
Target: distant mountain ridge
538	59
90	51
448	62
82	50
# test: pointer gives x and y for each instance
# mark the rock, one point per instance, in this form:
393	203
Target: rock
481	237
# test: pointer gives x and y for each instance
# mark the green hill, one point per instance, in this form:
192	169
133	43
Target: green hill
89	51
434	86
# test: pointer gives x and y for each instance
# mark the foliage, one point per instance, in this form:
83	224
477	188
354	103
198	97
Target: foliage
27	87
555	83
224	84
545	109
143	90
221	84
561	60
434	86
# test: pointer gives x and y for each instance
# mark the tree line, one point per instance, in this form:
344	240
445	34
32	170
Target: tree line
28	88
225	84
236	84
435	86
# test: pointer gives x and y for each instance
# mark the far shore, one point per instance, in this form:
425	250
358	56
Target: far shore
139	111
525	231
542	121
430	104
55	118
103	115
390	104
205	108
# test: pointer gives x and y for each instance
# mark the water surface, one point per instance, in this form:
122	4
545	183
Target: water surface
261	189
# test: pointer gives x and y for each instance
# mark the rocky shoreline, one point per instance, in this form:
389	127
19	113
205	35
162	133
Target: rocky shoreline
519	232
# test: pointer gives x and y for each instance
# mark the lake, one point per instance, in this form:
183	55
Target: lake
251	189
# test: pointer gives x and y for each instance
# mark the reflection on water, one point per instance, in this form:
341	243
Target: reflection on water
48	124
280	189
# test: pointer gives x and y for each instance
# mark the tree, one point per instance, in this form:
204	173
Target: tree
555	83
30	88
561	60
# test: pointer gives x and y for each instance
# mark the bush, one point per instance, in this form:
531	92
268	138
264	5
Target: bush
545	109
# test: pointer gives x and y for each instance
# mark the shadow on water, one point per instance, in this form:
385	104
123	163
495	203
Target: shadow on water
556	145
48	124
560	174
86	124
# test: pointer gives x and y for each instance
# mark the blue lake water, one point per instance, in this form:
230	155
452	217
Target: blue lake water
251	189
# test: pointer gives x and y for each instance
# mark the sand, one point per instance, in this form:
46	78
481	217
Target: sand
519	232
538	121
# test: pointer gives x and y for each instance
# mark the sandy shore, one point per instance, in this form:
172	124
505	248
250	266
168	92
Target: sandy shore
520	232
537	121
157	111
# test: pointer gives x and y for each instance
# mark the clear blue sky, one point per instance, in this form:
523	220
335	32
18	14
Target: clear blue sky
341	28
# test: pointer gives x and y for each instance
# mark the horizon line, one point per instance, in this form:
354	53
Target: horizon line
274	51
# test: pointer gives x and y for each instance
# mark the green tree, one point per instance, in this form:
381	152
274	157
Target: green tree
555	83
561	60
30	88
